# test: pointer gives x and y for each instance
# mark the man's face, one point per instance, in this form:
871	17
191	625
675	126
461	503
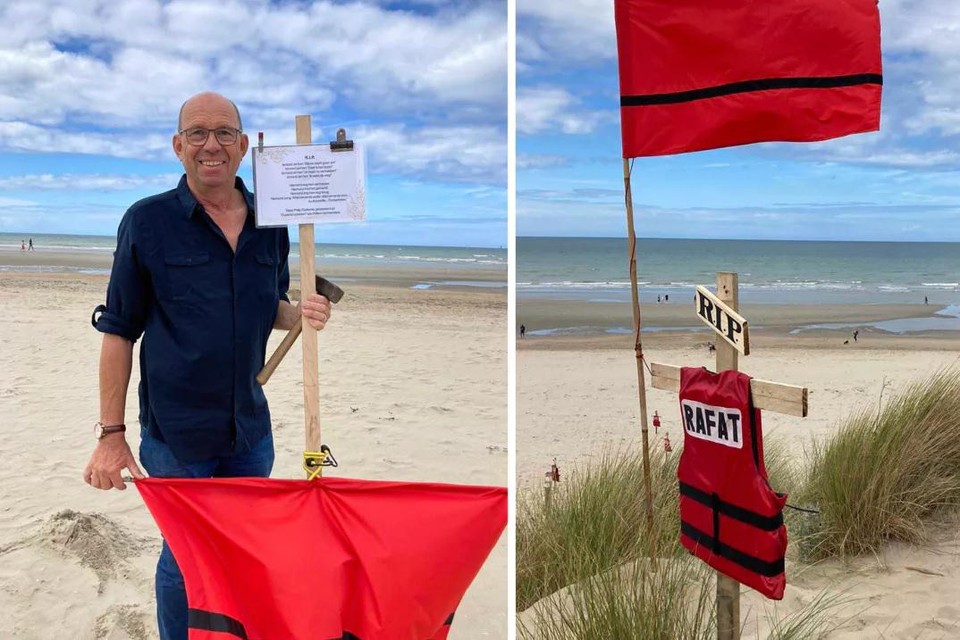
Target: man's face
211	165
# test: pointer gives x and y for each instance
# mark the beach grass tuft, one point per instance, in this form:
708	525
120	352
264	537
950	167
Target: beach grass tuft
887	471
595	522
582	561
629	601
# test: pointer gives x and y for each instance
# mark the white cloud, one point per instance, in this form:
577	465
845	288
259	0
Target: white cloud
16	202
540	161
466	152
19	136
96	182
108	76
580	30
553	109
367	51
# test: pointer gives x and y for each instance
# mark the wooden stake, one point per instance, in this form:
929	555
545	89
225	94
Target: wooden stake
638	349
728	589
308	286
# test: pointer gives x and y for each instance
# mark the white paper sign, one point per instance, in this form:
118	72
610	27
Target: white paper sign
308	183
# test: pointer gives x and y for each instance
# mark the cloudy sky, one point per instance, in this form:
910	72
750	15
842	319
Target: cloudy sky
902	183
90	89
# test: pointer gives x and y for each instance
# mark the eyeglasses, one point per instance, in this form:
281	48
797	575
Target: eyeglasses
197	136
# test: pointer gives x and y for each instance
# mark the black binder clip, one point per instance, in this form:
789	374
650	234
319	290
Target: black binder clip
341	143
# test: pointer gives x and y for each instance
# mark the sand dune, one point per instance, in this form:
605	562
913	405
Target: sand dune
578	401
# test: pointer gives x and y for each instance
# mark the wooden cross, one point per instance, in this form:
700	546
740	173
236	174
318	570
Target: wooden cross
721	313
308	287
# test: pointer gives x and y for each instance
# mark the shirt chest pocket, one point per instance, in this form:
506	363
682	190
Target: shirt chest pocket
265	281
190	278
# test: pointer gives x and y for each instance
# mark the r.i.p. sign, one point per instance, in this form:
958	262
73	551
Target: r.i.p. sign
731	326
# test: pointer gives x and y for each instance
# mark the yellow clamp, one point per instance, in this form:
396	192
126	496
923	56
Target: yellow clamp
315	461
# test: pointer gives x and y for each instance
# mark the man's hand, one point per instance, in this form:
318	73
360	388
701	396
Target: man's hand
316	310
109	458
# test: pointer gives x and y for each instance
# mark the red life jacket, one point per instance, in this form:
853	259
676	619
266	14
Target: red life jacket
324	559
729	516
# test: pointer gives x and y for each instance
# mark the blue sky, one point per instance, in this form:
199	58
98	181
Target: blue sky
90	89
902	183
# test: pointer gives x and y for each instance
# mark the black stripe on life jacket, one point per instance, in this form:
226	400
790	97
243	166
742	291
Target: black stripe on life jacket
752	518
209	621
748	562
750	86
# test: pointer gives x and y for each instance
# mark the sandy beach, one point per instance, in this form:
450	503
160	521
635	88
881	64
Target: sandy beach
577	400
412	387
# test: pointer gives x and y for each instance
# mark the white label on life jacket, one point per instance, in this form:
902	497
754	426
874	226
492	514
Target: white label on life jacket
716	424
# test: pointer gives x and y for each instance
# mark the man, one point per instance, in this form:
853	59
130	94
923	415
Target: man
204	287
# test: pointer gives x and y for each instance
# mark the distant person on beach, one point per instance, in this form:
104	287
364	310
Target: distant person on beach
666	297
203	286
523	331
23	247
855	334
30	246
924	299
658	299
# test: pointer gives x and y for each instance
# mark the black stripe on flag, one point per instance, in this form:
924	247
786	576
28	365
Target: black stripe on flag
750	86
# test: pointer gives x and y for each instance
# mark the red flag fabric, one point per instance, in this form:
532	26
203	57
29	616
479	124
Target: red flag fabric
704	74
324	559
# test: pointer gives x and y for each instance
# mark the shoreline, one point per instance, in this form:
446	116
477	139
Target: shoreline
56	264
609	325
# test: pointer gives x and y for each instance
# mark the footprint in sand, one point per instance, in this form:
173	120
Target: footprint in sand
396	464
124	622
437	409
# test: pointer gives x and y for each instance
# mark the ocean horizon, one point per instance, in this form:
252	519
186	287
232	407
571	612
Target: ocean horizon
770	271
468	259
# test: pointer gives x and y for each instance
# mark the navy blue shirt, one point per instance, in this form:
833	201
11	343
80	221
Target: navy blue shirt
205	314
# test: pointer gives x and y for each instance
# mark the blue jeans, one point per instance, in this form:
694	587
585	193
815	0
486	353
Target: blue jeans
159	462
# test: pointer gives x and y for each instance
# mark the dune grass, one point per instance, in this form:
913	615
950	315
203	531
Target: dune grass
884	474
596	522
887	471
631	601
591	546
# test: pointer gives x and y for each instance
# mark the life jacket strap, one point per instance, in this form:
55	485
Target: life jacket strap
753	564
746	516
210	621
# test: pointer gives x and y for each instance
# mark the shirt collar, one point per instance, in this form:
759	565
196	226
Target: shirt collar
189	201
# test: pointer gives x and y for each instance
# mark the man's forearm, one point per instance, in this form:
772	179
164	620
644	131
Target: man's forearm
116	362
287	315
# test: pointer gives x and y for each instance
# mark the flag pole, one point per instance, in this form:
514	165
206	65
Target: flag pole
638	348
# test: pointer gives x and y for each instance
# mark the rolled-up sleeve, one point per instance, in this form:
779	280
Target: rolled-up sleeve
127	292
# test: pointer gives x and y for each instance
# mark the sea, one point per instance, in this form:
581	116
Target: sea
468	259
592	270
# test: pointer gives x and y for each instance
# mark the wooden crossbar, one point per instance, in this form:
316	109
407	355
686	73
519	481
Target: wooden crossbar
771	396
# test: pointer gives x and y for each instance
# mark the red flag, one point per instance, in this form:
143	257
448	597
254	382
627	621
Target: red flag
327	559
705	74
